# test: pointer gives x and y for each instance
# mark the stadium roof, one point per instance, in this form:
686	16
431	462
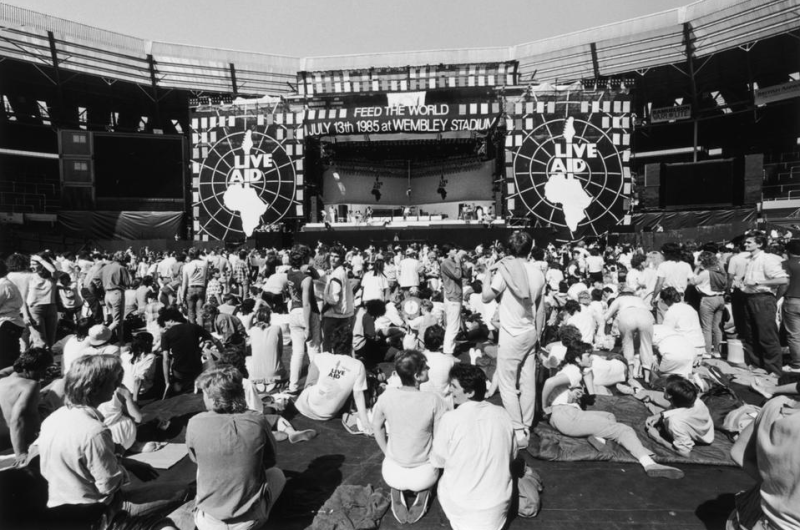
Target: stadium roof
628	46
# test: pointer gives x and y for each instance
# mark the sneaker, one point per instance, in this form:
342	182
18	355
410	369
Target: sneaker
399	508
791	369
474	353
659	471
420	506
302	436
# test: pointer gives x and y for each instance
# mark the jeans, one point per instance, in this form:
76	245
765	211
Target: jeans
578	423
759	332
516	372
297	328
195	295
711	309
452	312
791	321
115	308
44	319
330	326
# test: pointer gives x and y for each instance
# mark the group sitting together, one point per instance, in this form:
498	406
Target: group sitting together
404	344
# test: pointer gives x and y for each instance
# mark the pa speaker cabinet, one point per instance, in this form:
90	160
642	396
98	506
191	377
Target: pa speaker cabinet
753	178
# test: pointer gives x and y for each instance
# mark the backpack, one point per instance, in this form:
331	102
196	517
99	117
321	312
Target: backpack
529	488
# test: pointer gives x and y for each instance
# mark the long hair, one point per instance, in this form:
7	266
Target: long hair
86	377
223	386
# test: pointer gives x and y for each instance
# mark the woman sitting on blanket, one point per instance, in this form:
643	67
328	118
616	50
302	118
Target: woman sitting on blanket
562	396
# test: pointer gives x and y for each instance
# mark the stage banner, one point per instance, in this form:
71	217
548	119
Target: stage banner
247	169
472	183
567	161
425	118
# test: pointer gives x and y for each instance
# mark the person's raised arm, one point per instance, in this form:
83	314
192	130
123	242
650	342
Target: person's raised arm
488	293
307	286
657	289
130	405
549	385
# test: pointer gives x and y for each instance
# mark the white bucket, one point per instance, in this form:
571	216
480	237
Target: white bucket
735	351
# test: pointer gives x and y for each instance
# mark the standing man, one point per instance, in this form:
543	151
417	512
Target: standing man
408	271
116	279
763	274
241	274
338	306
518	285
193	284
474	444
451	283
791	304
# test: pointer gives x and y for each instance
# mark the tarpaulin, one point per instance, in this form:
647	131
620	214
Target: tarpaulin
693	219
120	225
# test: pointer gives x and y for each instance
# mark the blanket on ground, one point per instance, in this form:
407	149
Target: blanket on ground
548	444
352	508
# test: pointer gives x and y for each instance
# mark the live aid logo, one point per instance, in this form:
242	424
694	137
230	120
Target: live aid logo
569	157
248	168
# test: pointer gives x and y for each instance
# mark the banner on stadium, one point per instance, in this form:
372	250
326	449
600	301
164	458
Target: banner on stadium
665	114
781	92
422	118
247	169
567	161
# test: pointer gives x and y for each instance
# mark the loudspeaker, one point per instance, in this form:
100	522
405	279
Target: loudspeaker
314	206
75	143
651	191
753	178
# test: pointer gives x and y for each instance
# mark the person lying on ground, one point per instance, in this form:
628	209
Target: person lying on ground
685	423
19	400
562	397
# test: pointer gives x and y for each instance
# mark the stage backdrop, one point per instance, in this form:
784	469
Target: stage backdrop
567	160
247	169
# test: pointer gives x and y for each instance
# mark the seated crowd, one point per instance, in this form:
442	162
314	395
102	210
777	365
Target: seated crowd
405	344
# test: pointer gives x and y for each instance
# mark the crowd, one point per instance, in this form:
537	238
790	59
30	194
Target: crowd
406	344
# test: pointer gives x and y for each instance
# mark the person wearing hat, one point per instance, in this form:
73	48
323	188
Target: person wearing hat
98	342
116	279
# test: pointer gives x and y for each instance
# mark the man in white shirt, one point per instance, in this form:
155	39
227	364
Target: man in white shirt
408	271
672	272
519	286
332	378
763	274
474	445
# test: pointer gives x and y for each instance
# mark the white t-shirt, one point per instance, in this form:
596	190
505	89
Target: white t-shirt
339	376
408	273
561	392
516	318
373	286
575	289
676	274
683	319
439	366
595	264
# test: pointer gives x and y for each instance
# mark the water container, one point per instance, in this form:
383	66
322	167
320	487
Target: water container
735	351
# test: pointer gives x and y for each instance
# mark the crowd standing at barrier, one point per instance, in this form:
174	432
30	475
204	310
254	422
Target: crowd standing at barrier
404	343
